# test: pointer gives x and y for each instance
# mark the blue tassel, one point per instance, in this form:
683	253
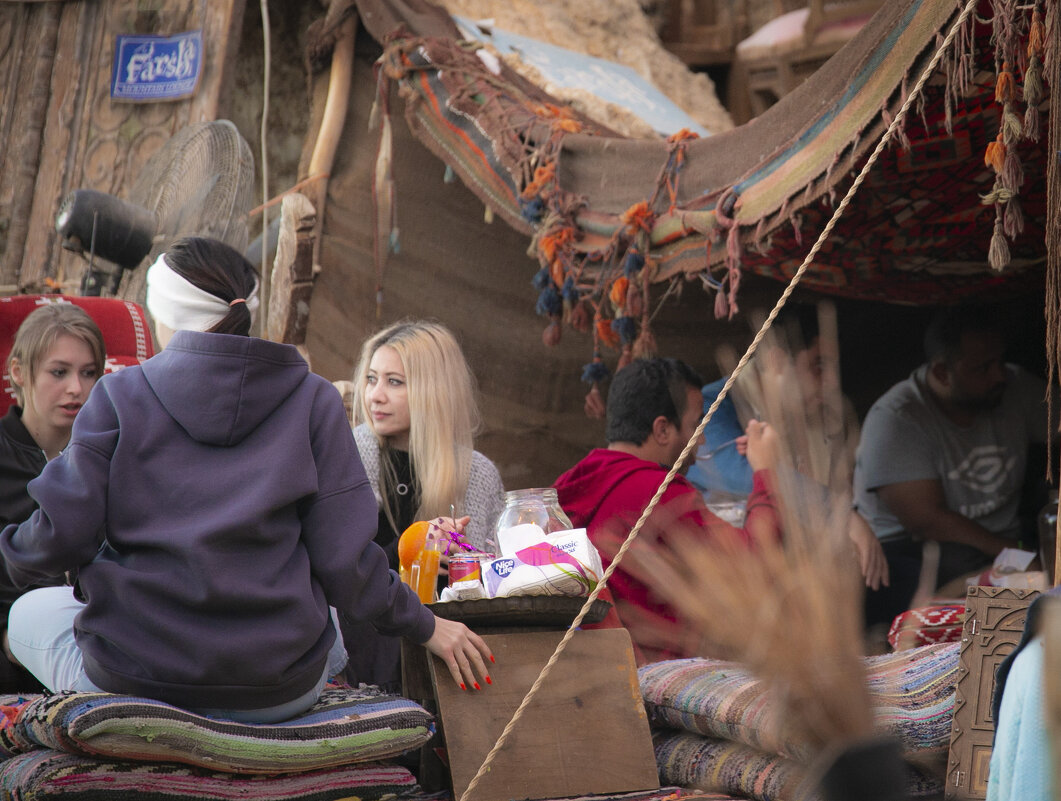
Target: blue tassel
626	328
569	292
595	372
633	261
549	303
449	176
532	210
395	244
541	279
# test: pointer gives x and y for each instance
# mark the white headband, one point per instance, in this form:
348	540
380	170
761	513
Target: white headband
180	305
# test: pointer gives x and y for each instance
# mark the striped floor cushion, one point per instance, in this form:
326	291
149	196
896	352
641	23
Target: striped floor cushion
706	763
46	774
345	726
912	692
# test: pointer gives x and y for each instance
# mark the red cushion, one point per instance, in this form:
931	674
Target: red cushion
122	322
927	625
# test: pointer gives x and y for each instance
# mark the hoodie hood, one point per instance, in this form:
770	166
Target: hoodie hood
587	485
219	387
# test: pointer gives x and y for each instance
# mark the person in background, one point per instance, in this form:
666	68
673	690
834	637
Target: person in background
790	361
943	455
653	410
415	418
214	507
55	360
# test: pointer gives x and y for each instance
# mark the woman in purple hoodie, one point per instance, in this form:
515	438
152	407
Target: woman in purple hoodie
214	507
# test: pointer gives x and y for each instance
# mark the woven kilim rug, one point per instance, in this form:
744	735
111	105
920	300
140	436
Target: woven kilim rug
46	774
912	693
345	726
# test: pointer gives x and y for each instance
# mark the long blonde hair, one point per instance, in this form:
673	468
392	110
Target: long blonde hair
443	415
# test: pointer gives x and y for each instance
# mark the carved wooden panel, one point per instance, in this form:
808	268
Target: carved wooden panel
59	128
994	622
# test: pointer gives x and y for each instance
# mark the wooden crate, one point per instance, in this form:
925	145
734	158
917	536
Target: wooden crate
994	622
585	733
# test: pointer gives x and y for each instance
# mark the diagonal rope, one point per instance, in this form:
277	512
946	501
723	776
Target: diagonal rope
967	10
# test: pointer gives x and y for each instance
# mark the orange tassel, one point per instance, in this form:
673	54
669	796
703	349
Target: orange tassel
570	126
542	176
638	217
554	243
606	335
1004	90
995	156
1036	35
617	294
684	135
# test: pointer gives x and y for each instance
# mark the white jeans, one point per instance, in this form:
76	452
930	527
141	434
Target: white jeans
41	636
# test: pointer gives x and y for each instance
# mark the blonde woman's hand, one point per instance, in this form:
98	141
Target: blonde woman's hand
463	651
443	528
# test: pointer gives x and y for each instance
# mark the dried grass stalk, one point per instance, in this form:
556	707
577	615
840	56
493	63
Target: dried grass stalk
790	611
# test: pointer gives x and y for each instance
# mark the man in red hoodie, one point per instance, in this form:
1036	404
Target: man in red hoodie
653	410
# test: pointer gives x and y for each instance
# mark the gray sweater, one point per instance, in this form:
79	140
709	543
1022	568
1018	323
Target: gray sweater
483	500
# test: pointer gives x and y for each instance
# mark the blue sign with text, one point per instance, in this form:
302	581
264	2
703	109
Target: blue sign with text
149	68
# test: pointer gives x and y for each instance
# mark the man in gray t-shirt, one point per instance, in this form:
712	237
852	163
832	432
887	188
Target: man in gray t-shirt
943	456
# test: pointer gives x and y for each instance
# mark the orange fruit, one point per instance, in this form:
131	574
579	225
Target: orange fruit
411	543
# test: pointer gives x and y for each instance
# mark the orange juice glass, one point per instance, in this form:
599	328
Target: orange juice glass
423	576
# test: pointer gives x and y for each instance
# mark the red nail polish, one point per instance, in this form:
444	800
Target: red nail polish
492	658
476	685
488	680
462	686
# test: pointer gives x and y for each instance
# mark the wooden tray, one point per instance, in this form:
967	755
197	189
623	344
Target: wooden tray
530	610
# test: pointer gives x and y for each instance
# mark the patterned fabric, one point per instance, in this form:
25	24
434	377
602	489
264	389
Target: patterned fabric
912	693
343	727
721	766
927	626
47	774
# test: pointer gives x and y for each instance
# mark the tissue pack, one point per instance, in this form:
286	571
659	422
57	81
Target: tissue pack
535	563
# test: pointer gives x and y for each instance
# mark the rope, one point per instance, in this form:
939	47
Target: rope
837	214
267	58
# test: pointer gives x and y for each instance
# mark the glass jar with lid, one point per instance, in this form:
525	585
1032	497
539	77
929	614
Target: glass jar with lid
537	505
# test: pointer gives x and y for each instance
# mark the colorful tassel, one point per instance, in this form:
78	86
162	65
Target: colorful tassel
998	254
580	317
1012	126
633	261
549	303
541	279
645	344
995	155
606	334
625	328
1012	171
1013	219
638	218
596	371
1005	89
551	334
617	293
